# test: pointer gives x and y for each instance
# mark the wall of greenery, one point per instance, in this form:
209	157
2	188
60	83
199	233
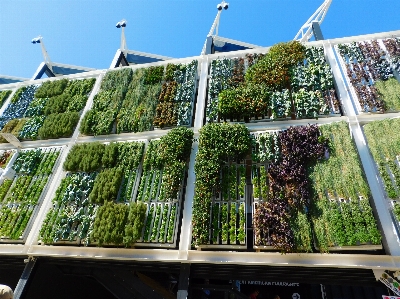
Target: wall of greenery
383	142
340	210
51	111
20	196
370	70
219	144
290	81
97	203
309	189
137	101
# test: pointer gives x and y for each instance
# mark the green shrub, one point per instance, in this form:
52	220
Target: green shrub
109	224
59	125
134	226
85	157
106	186
51	88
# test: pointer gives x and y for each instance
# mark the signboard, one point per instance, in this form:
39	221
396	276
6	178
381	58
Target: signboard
389	297
389	278
268	289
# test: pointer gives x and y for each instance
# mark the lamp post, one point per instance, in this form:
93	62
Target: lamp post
46	57
122	24
214	27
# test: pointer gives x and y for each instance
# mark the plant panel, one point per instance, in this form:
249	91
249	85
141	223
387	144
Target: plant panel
308	185
21	190
219	202
101	187
4	94
383	141
89	185
49	111
139	100
369	67
290	81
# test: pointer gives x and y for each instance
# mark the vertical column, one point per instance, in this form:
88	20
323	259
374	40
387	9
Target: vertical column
202	93
186	228
183	281
317	31
20	288
387	227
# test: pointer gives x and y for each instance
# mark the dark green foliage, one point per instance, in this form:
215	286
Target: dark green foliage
36	107
80	87
110	155
117	79
130	154
97	122
57	104
274	68
109	224
106	104
17	94
153	75
59	125
138	108
170	71
134	226
152	159
396	210
217	144
85	157
106	186
51	88
244	101
176	145
3	96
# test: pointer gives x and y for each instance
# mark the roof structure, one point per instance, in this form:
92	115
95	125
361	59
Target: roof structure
58	69
9	79
131	57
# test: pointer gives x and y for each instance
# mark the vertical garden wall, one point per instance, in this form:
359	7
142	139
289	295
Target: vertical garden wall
121	194
25	176
294	187
308	186
290	81
372	70
49	111
383	140
137	100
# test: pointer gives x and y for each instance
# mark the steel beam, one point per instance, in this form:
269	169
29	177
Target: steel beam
24	280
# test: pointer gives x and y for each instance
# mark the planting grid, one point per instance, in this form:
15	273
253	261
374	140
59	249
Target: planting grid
312	93
369	67
225	205
23	181
144	98
228	209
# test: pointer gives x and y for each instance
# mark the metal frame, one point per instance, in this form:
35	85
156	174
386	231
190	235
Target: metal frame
306	31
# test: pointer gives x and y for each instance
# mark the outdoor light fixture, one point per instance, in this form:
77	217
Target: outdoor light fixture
122	24
215	25
39	40
36	40
223	4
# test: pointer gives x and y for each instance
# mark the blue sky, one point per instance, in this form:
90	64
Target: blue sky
83	32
